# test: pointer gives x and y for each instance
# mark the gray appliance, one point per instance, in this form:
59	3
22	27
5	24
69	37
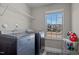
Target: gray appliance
21	44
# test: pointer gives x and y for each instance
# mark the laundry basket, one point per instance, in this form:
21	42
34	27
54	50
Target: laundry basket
74	50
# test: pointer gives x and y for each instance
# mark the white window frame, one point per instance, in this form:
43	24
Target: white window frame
47	12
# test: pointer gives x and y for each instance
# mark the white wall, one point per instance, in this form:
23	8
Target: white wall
39	23
39	14
75	18
16	14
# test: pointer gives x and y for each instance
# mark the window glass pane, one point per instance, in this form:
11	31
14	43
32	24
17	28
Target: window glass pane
54	25
49	22
59	18
53	18
49	19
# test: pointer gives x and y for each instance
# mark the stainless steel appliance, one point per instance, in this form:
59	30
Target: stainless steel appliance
22	44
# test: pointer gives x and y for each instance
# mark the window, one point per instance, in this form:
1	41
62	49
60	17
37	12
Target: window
54	25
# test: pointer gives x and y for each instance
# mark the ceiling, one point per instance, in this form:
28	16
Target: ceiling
32	5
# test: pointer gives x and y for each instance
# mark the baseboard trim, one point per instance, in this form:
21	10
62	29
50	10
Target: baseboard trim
55	50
